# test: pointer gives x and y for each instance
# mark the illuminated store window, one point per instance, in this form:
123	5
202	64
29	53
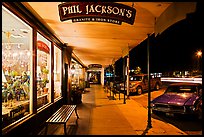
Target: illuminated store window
43	71
57	72
77	75
16	68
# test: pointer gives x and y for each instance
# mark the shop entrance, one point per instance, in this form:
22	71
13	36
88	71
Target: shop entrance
94	77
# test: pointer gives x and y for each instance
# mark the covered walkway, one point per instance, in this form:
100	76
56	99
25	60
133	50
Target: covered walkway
54	50
101	116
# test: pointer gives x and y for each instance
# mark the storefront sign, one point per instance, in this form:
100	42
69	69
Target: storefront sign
95	66
43	47
97	12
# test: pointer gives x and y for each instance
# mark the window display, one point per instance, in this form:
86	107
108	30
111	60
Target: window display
57	72
43	70
18	62
77	82
77	75
16	66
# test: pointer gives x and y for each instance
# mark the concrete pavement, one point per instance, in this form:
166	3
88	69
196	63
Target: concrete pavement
112	117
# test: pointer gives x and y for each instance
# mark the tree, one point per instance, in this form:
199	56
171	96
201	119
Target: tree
137	70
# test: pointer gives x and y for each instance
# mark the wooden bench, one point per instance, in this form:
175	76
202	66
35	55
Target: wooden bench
61	116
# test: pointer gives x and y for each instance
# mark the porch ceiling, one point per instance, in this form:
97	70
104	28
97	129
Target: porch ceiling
96	42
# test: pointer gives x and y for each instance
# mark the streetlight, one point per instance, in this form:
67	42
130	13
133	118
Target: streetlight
199	55
149	122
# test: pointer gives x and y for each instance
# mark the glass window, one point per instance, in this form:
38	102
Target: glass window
57	72
77	75
16	67
43	71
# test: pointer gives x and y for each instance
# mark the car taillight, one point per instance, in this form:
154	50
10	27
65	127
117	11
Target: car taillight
152	105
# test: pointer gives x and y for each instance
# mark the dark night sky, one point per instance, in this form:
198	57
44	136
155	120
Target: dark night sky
172	50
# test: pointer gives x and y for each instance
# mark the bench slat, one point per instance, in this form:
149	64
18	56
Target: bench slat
62	115
65	115
56	114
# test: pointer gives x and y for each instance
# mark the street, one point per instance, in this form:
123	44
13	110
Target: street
189	125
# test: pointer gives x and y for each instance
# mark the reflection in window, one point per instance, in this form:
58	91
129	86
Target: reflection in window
57	73
43	70
16	66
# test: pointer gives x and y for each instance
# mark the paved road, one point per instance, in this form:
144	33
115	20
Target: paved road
188	125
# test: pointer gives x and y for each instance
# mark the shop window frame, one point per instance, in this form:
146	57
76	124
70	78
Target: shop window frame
36	28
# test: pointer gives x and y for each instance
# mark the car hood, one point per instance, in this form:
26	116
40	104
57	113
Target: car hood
135	82
177	99
131	83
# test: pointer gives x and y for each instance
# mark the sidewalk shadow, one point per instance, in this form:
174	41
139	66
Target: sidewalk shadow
85	91
72	129
103	105
146	130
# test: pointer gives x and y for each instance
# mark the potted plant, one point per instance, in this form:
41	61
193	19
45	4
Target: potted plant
45	80
45	71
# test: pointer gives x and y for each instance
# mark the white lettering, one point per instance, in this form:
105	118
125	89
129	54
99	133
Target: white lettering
87	9
96	8
122	12
77	9
91	9
70	10
116	10
64	10
109	11
74	7
129	14
103	9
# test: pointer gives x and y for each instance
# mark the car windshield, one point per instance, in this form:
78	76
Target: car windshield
181	89
136	78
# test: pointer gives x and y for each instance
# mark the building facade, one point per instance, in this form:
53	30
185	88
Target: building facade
37	77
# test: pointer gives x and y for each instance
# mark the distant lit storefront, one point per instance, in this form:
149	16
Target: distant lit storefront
95	74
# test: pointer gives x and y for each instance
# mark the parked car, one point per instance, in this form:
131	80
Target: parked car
179	98
139	83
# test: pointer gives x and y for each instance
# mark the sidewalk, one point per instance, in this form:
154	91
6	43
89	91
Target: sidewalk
112	117
101	116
